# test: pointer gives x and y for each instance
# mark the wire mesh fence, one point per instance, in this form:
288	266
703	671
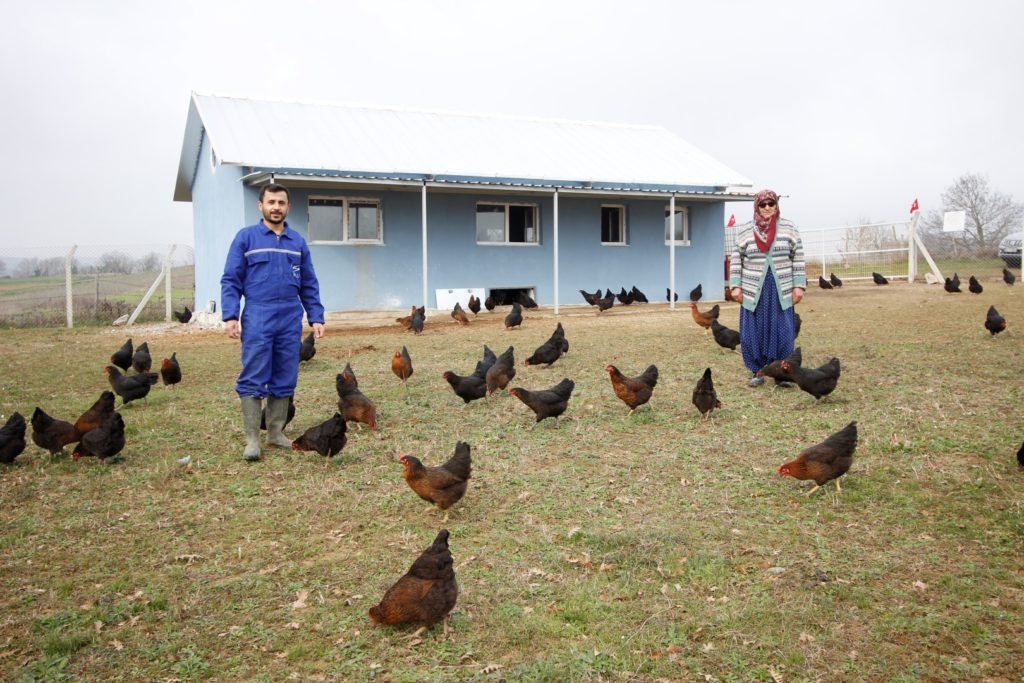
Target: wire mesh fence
100	283
855	252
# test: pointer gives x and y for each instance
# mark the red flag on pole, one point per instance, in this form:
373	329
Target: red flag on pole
913	207
732	221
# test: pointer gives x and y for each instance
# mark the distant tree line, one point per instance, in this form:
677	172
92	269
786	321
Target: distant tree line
108	262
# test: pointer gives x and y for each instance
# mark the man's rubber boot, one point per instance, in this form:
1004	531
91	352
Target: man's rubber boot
277	414
252	408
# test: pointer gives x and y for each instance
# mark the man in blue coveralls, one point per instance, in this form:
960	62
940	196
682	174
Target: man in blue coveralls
269	264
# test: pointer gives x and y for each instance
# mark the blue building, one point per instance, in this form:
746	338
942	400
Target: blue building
399	206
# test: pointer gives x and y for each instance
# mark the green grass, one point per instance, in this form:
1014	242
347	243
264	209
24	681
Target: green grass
102	298
656	546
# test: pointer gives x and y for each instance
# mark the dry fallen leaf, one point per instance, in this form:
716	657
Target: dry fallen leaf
117	645
920	585
300	599
806	637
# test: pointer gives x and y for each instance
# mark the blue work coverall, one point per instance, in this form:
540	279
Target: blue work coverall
275	276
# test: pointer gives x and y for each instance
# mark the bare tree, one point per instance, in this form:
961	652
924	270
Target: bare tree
868	236
114	262
150	263
26	267
989	216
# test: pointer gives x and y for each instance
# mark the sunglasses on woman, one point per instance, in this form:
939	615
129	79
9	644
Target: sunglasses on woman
766	205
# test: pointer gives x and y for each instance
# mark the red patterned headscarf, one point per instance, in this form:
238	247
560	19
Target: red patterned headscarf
764	229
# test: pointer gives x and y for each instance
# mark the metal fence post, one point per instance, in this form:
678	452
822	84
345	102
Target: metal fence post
69	298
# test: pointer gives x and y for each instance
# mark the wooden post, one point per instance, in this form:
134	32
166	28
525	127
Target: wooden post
69	299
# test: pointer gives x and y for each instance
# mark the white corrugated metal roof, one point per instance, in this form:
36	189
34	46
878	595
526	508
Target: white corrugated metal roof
311	137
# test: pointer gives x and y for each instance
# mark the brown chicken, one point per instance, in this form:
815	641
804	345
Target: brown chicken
704	318
443	485
418	320
51	434
426	593
825	461
704	396
406	320
547	353
170	370
105	441
401	365
779	372
633	391
817	382
12	438
467	387
96	415
326	438
307	349
547	402
515	317
558	337
122	358
130	387
994	322
501	372
474	304
141	360
353	404
459	315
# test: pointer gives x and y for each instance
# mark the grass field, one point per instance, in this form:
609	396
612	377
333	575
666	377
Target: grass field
610	547
98	298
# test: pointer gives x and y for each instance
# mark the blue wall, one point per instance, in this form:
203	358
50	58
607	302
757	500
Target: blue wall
389	276
218	201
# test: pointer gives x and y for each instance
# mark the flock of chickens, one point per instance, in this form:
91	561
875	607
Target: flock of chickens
99	431
427	593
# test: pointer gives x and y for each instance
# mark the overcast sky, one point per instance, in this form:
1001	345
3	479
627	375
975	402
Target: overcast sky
852	109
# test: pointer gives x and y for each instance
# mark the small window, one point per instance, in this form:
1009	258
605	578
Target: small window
682	226
343	220
613	225
507	224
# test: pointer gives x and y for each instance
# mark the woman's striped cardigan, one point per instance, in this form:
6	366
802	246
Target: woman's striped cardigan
748	265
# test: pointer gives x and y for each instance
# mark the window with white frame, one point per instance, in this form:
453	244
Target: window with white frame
681	223
613	224
345	220
504	223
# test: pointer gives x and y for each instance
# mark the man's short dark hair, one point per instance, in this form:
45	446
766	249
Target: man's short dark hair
274	187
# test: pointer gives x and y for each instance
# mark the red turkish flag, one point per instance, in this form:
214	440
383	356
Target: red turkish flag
913	207
732	221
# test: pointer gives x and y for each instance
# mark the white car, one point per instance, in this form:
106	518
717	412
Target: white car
1009	249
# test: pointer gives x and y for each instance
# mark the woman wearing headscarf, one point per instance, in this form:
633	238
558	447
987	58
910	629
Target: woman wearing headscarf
767	277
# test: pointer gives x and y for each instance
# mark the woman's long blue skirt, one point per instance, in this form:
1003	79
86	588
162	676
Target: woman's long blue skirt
766	333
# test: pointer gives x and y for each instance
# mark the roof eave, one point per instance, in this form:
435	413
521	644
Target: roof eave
582	188
189	159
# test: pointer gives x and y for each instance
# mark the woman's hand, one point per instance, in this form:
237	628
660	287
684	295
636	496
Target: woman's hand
798	295
737	294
